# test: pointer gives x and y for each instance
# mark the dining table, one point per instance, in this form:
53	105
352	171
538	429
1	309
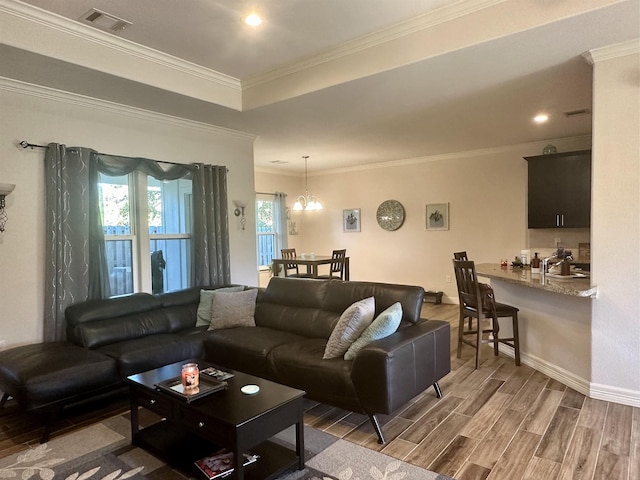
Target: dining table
311	263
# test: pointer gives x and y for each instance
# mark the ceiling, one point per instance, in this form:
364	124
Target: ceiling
348	83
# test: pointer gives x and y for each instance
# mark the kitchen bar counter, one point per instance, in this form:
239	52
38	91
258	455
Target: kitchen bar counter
554	320
577	287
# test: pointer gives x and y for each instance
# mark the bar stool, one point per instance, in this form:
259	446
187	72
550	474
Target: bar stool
473	294
462	256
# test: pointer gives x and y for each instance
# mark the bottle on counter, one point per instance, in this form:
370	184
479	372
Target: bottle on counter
565	266
535	263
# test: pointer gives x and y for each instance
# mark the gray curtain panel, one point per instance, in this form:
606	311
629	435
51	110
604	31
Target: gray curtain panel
76	266
282	232
211	260
75	249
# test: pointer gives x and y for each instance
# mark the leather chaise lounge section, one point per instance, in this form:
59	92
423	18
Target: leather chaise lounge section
108	340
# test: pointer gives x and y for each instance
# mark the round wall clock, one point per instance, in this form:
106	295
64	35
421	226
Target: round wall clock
390	215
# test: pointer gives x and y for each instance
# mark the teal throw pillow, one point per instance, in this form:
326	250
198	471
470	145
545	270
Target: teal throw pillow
384	325
206	303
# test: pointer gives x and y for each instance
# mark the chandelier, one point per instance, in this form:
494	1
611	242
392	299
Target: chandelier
306	201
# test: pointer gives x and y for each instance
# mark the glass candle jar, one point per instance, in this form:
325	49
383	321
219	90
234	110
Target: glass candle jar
190	376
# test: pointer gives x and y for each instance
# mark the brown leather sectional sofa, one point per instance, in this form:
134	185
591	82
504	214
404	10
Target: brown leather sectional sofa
107	340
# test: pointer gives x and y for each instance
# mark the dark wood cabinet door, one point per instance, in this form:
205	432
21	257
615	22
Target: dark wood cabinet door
560	190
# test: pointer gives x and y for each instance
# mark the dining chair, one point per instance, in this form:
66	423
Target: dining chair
336	269
288	254
478	302
462	256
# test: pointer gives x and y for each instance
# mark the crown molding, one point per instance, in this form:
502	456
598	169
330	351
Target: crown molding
518	149
52	94
85	32
272	171
612	51
422	22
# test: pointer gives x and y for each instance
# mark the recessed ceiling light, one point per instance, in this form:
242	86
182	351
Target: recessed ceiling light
253	19
541	118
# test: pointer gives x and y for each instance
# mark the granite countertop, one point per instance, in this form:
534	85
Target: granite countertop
578	287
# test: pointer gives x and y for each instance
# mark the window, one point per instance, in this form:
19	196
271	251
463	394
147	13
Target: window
147	237
266	230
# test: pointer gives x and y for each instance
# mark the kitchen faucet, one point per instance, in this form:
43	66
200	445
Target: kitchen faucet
545	263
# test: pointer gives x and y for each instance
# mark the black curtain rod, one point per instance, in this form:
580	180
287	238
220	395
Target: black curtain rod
25	144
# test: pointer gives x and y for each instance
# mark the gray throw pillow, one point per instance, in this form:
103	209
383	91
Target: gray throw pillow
233	309
353	321
384	325
206	303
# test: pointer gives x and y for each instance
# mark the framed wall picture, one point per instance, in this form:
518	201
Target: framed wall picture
351	220
437	216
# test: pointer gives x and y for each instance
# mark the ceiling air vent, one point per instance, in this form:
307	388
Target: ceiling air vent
577	113
278	162
105	21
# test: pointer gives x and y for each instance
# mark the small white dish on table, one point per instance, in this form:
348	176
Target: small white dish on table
250	389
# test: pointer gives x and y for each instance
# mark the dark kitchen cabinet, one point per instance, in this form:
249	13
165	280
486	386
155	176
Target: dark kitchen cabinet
560	190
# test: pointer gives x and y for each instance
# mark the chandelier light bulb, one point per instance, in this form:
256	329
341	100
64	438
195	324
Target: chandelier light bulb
306	201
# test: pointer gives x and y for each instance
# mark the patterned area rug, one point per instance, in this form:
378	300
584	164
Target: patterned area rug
103	452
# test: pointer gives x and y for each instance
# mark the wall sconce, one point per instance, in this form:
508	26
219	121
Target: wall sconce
5	189
239	212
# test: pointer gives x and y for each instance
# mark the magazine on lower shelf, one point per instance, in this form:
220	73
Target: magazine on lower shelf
220	464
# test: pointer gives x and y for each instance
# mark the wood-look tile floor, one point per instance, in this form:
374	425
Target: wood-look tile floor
497	422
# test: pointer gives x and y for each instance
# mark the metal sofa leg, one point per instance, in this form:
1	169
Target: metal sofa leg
376	427
437	389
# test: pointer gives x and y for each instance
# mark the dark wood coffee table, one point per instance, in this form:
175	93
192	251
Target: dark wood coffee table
229	418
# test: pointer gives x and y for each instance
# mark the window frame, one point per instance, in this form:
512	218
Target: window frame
140	235
265	197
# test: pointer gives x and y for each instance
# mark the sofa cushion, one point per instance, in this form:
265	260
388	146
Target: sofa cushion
41	374
233	309
206	303
295	305
382	326
181	317
83	319
113	330
353	321
153	351
342	294
245	348
299	364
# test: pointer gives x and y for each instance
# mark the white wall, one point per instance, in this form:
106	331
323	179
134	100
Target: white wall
40	116
487	196
615	222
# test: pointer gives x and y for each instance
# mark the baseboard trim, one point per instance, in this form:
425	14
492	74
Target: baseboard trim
565	377
596	391
615	394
